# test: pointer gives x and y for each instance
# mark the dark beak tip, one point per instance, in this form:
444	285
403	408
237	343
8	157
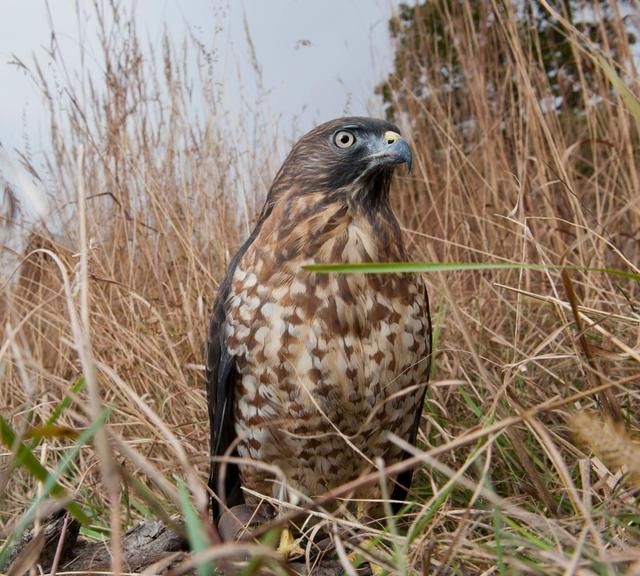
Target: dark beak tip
406	155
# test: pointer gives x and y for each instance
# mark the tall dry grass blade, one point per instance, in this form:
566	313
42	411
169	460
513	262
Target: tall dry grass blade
608	400
108	467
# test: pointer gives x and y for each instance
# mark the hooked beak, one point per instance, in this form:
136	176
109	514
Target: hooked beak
391	150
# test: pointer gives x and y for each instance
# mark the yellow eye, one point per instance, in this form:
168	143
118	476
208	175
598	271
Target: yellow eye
344	139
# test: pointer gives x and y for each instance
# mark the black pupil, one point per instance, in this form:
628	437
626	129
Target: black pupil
345	138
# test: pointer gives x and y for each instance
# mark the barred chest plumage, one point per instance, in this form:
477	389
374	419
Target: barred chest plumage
327	363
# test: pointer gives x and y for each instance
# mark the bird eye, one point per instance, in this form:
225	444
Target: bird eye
344	139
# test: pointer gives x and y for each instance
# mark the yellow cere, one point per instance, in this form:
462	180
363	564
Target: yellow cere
390	136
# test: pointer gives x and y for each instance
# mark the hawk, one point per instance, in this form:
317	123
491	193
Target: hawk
307	372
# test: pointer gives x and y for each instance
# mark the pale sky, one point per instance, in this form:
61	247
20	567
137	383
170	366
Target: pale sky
319	60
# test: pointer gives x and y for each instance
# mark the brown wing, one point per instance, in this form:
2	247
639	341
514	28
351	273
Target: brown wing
221	376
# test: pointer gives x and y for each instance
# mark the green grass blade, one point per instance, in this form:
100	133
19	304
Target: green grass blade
51	484
66	401
270	539
26	458
417	267
497	531
196	534
413	267
533	540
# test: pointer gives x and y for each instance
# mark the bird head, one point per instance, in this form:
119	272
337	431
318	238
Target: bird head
351	157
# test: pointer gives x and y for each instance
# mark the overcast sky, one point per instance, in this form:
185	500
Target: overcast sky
318	59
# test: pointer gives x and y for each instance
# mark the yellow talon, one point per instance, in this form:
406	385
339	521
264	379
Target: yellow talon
289	546
368	544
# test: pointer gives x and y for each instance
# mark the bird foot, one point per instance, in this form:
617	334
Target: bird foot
289	547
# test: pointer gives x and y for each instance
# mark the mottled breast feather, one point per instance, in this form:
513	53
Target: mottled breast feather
323	365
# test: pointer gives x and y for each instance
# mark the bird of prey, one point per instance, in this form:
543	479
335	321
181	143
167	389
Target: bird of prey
307	372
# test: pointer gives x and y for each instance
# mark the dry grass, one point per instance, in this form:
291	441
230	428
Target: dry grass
504	487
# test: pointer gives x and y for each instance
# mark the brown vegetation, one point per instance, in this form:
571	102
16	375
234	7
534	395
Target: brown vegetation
503	482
